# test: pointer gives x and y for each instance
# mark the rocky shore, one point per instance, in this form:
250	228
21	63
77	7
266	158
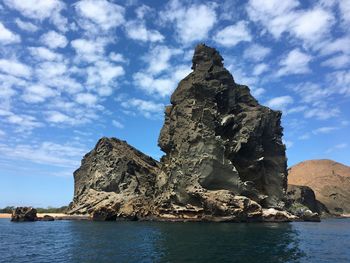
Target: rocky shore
29	214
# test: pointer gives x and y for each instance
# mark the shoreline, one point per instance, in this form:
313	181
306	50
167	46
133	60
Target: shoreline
62	216
56	216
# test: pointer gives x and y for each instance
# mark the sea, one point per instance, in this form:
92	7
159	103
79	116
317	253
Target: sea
99	242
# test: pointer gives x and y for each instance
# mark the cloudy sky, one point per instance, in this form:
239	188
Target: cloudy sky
74	71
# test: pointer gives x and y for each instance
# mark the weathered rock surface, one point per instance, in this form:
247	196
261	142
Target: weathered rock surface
301	199
24	214
114	180
274	215
328	179
224	158
216	136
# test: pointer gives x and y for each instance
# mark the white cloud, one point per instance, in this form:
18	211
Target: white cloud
58	117
312	25
340	82
116	57
52	39
48	70
40	9
275	15
192	23
337	147
148	109
22	122
280	103
63	83
260	68
324	130
36	9
89	50
311	92
137	30
283	16
15	68
232	35
335	45
162	86
62	155
37	93
322	113
99	13
344	6
256	52
117	124
87	99
296	62
27	26
337	62
158	58
42	53
142	11
7	36
102	77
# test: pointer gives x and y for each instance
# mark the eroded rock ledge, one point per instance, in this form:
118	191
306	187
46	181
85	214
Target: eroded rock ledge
224	159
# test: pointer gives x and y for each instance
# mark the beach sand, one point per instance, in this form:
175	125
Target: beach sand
55	215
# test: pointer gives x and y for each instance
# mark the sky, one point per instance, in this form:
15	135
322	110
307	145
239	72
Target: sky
72	72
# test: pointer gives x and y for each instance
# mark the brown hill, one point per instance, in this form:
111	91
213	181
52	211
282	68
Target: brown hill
330	181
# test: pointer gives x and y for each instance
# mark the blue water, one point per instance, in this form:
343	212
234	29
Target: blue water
98	242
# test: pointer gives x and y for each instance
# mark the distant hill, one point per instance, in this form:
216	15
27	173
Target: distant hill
330	181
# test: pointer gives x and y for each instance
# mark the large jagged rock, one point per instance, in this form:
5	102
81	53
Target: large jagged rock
217	136
114	180
224	158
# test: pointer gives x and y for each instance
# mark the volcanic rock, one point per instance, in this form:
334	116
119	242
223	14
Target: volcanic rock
24	214
329	180
224	158
216	136
114	180
47	218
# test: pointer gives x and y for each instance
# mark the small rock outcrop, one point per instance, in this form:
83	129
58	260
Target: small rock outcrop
328	179
224	158
24	214
47	218
301	199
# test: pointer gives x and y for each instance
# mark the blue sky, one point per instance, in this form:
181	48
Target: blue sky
74	71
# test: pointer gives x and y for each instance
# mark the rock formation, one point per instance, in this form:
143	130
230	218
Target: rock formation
24	214
330	181
114	180
303	198
224	158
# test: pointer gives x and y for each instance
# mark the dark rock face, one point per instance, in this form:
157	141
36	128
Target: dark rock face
304	196
114	180
303	203
24	214
216	136
224	158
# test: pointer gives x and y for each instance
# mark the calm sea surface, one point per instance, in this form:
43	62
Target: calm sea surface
98	242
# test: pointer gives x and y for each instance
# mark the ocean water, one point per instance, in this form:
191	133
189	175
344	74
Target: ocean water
98	242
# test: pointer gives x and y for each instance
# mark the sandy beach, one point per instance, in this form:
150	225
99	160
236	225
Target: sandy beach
55	215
